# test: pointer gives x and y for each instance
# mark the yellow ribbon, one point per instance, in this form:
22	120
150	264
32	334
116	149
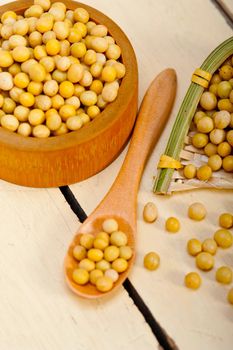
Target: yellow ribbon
203	74
200	81
201	77
167	162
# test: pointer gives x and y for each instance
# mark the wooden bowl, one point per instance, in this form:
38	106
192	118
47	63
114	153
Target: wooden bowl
73	157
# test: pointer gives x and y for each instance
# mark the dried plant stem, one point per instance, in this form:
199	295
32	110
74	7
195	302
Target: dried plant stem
186	113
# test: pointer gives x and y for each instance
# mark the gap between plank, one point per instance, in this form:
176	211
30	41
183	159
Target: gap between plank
225	12
164	340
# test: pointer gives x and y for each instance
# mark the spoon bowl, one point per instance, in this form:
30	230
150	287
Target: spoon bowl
71	263
120	203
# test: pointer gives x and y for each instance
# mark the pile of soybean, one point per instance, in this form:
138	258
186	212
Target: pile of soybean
58	69
213	125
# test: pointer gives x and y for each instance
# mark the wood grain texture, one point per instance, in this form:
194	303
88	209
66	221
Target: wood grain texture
120	202
66	159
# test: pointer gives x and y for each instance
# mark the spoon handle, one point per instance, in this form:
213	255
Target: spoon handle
153	115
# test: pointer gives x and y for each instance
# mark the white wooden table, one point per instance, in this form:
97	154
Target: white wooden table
37	311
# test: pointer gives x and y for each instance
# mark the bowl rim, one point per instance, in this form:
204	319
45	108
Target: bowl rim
107	117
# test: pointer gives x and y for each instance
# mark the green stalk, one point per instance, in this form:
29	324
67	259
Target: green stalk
185	115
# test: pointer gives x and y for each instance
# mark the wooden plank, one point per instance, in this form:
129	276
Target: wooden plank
167	33
38	311
163	33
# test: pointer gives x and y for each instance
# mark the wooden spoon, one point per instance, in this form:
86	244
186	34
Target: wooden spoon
120	202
